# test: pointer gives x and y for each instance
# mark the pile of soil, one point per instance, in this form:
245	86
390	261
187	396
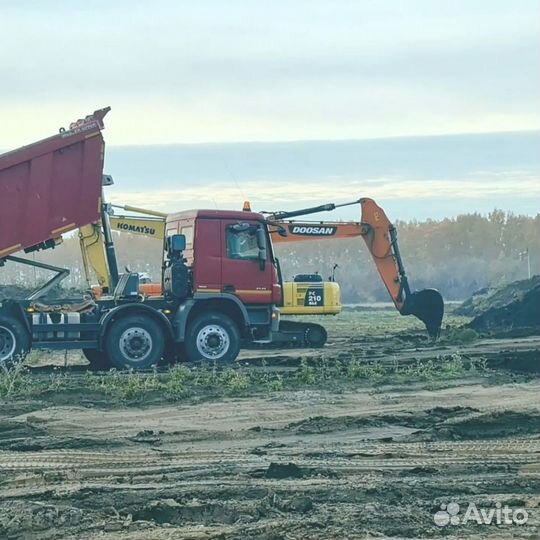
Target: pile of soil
15	292
474	304
511	310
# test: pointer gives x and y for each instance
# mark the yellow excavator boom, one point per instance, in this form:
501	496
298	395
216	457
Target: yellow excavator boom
92	240
93	255
152	227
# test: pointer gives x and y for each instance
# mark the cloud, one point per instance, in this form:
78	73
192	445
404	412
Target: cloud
270	196
310	69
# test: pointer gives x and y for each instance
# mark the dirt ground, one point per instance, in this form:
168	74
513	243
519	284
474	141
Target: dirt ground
373	458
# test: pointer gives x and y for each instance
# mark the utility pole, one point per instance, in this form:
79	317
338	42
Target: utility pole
526	254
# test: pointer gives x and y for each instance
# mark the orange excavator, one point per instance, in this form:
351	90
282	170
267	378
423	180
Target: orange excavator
380	237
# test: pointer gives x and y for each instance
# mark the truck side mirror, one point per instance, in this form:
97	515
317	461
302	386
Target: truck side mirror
176	243
261	238
262	258
261	244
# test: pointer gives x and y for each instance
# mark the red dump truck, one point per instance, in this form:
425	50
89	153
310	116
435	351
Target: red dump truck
221	283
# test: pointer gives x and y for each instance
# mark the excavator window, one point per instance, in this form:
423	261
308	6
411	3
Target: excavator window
307	278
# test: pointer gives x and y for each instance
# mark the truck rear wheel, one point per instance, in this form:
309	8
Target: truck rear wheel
212	337
14	340
135	342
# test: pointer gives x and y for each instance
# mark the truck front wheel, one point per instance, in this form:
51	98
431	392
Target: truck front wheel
14	340
135	342
212	337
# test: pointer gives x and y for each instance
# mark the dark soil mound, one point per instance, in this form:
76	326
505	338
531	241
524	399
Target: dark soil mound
488	298
473	305
510	310
15	292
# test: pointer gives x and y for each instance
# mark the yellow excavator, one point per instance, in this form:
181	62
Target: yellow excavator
307	294
94	243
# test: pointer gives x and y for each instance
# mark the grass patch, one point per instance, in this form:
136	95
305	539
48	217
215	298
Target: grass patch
441	369
180	382
357	369
459	336
15	381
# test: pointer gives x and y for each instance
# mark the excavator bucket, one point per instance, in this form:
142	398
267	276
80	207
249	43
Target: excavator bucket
428	306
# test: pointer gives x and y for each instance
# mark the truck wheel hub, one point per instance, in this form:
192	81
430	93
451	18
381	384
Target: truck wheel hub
7	343
136	344
212	342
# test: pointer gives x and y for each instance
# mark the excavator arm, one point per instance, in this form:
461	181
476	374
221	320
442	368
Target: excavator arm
380	237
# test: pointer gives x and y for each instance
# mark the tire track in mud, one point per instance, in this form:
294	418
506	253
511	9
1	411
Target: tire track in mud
221	492
348	461
519	354
429	433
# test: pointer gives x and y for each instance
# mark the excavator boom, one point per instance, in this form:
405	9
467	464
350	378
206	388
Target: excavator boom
380	237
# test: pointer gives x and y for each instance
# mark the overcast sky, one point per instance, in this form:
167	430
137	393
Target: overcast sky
239	70
216	71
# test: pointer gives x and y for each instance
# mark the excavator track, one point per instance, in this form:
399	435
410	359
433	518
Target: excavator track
295	334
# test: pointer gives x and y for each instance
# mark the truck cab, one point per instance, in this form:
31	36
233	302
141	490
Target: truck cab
229	252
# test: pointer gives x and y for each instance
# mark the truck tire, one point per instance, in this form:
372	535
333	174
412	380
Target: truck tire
135	342
212	337
99	361
14	340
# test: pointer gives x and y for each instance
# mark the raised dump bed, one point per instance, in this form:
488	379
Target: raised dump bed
52	186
